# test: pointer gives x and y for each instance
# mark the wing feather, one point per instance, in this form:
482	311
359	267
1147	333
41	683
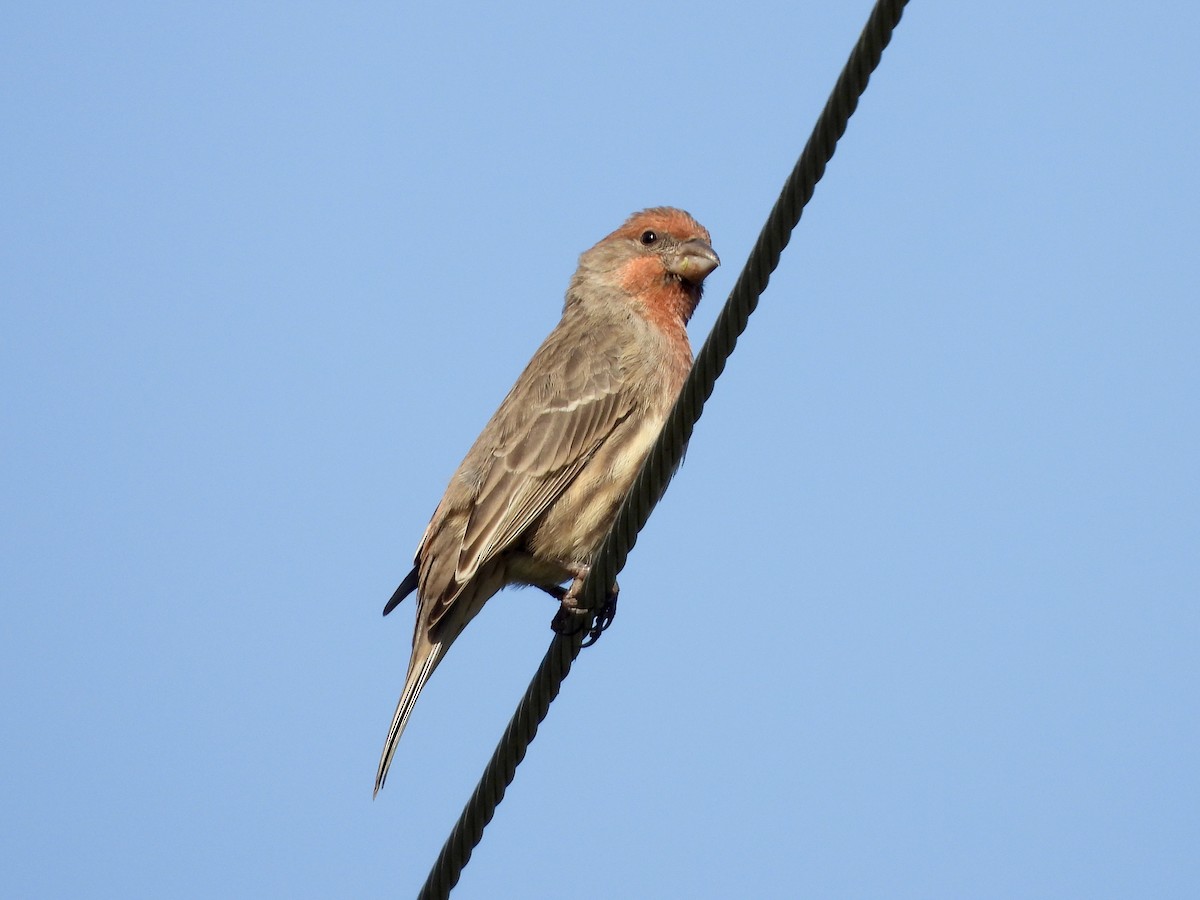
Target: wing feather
567	401
581	431
526	479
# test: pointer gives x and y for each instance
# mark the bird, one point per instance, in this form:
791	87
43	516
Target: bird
539	489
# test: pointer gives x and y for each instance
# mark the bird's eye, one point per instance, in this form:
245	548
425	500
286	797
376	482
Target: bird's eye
648	238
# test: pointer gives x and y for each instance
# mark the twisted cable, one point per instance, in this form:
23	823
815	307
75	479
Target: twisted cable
668	449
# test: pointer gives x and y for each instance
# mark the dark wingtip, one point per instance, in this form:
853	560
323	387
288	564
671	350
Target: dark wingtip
407	586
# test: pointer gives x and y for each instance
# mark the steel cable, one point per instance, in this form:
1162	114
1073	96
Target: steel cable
668	450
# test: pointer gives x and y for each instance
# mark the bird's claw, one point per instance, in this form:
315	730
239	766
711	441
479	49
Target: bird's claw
603	618
571	619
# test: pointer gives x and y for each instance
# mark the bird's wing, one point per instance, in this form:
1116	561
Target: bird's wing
570	397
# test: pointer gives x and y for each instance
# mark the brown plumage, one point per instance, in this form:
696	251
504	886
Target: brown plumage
539	489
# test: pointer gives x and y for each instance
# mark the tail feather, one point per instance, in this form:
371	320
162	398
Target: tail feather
419	670
407	586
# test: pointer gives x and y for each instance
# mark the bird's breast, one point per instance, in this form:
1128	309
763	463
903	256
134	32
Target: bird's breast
573	527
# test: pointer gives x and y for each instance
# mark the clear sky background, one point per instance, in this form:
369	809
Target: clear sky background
918	617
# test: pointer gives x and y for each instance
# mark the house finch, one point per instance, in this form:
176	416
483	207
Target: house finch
539	490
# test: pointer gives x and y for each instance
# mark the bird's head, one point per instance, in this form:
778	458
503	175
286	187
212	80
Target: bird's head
658	259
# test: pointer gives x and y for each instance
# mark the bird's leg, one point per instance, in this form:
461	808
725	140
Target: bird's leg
557	591
570	609
564	619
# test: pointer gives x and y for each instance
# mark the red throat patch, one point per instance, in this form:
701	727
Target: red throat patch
668	302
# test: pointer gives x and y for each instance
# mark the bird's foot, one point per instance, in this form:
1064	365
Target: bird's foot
571	618
604	618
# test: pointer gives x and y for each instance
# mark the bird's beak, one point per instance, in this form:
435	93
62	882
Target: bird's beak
693	260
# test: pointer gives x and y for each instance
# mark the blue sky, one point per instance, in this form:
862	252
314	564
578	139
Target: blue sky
918	617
